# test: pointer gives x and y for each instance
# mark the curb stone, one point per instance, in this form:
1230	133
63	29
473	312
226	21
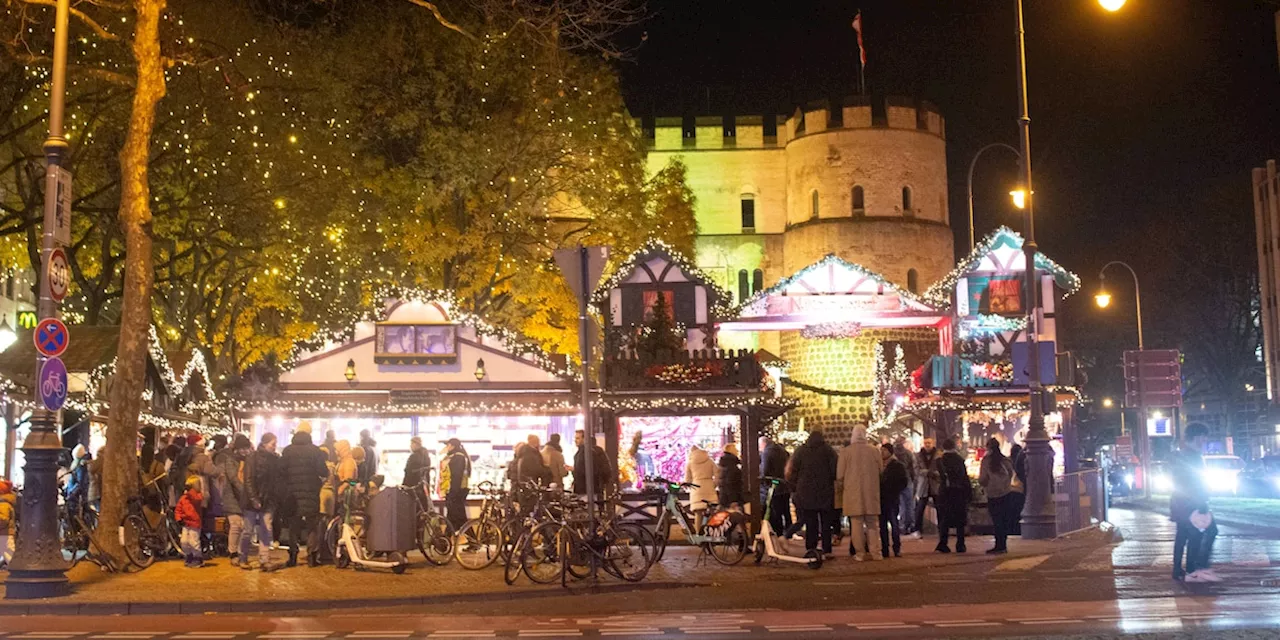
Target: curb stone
62	608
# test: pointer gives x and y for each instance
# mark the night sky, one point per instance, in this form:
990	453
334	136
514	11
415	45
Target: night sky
1148	117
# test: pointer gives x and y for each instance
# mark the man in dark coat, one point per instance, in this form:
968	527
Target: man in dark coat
262	491
954	494
773	464
812	474
893	480
418	465
604	474
303	470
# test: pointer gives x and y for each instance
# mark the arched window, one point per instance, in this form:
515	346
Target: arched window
859	201
813	204
913	281
757	281
744	285
906	202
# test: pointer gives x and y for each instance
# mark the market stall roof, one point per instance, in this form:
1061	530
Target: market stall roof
834	291
652	263
90	347
1000	251
418	354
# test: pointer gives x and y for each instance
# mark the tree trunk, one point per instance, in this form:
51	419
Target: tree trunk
120	460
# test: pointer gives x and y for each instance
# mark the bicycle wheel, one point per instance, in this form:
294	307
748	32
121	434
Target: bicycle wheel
541	555
435	539
512	569
630	551
730	549
511	530
576	556
75	544
477	544
333	540
140	543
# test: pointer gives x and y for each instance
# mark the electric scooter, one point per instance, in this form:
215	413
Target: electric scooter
771	544
350	548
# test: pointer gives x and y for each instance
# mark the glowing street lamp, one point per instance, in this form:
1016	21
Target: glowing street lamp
1111	5
1107	403
1102	298
1019	198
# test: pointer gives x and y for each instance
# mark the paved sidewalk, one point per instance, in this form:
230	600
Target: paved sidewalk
167	587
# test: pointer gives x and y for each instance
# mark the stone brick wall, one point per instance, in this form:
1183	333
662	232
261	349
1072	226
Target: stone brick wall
842	365
889	247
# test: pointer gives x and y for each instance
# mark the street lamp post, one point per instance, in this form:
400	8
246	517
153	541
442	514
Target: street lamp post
38	569
973	238
1103	300
1038	516
1103	297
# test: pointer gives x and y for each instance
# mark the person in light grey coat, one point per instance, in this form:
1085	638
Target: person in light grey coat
858	483
230	490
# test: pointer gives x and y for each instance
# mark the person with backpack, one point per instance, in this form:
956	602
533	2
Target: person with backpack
996	476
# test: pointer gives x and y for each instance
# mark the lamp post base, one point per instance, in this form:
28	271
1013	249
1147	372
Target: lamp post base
1039	516
38	570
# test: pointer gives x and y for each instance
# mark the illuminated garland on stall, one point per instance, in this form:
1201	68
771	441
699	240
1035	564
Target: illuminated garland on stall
831	331
435	408
986	325
694	402
829	259
975	404
718	299
939	294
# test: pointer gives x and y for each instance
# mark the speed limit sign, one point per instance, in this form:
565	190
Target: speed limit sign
58	274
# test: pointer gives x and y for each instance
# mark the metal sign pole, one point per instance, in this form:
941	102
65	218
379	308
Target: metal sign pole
38	569
588	430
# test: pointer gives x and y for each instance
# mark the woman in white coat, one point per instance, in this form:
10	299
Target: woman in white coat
701	470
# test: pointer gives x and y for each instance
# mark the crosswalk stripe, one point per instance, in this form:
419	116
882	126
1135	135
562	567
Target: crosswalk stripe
798	628
1022	564
631	632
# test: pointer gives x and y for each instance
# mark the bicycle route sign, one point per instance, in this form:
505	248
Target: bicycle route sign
51	338
53	384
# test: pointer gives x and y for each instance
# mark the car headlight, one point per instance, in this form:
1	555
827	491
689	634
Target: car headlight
1162	483
1128	479
1220	480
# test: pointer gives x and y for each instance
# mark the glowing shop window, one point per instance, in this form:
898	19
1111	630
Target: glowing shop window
665	444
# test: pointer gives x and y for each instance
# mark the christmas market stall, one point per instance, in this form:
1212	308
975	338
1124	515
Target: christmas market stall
980	390
667	388
417	366
178	397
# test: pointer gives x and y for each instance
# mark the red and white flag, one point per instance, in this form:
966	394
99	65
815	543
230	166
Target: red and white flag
857	26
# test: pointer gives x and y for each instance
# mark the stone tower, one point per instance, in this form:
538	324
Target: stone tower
865	182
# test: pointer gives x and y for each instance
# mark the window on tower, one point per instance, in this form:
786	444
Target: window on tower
748	214
757	281
913	281
859	201
744	285
813	204
906	202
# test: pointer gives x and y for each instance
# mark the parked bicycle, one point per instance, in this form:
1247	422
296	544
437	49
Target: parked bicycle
435	535
148	536
722	535
479	542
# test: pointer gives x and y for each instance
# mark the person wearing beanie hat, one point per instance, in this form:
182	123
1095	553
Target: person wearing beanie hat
187	513
219	442
730	487
418	467
303	427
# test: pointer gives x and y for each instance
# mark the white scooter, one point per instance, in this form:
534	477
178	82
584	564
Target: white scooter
349	547
771	544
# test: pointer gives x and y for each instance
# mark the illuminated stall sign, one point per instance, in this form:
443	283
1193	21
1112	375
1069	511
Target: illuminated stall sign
416	344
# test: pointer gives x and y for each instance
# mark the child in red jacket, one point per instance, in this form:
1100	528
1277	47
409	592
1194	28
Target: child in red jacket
187	512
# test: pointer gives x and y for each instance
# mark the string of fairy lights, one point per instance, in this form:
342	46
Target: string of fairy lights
939	294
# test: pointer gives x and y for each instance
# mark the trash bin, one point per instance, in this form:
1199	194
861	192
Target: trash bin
392	519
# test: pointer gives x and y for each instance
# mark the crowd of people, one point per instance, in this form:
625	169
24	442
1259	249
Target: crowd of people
261	495
882	490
